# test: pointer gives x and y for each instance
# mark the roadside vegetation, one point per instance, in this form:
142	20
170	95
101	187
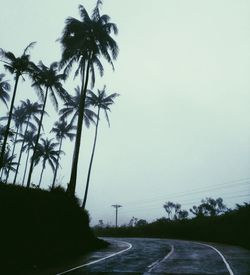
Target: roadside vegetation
41	228
210	221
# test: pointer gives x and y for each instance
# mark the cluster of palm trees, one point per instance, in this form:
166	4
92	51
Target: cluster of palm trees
84	43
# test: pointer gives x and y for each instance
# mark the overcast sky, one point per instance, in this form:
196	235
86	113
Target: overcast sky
180	130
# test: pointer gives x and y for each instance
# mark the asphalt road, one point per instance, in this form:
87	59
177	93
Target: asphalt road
161	256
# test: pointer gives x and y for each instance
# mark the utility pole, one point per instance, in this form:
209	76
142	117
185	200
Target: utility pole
116	206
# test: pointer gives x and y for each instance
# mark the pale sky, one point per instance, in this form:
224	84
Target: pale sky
180	130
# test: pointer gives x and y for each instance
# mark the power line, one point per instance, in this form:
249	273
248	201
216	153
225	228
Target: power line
228	183
135	209
156	201
193	191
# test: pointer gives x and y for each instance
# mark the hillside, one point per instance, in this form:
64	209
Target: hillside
39	228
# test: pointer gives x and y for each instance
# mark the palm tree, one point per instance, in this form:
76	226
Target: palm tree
31	110
47	153
49	79
62	130
72	108
85	41
19	117
102	101
29	143
2	133
4	90
17	66
7	164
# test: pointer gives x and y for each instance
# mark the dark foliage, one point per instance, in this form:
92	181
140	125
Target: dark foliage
39	228
233	227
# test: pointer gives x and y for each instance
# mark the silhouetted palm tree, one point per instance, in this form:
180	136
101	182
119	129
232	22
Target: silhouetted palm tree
47	153
2	133
62	130
102	101
19	117
31	110
84	41
4	90
18	66
29	143
50	80
71	108
7	164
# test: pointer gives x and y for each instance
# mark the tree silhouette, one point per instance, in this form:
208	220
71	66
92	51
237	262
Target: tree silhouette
182	215
2	134
4	90
62	130
101	101
209	207
46	152
19	117
18	66
169	207
71	108
7	164
84	41
50	80
31	110
28	140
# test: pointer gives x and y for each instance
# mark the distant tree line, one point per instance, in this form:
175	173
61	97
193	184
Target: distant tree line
208	207
210	221
85	44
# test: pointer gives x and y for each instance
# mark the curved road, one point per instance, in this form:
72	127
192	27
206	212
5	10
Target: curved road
161	256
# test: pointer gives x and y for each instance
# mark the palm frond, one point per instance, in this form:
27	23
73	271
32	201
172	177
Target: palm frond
30	46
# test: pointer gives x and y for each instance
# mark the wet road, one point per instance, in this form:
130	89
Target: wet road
162	256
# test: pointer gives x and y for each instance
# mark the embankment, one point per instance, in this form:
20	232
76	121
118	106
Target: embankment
40	227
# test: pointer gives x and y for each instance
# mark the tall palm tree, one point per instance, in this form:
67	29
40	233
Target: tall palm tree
29	143
102	101
62	130
85	41
71	108
31	110
18	66
19	117
50	80
4	90
47	153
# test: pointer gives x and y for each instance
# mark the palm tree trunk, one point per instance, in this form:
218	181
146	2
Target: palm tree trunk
91	161
73	177
8	123
1	174
26	164
57	164
41	176
21	151
37	139
12	154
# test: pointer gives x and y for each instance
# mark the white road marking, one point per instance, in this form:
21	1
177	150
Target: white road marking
169	254
154	264
221	255
99	260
